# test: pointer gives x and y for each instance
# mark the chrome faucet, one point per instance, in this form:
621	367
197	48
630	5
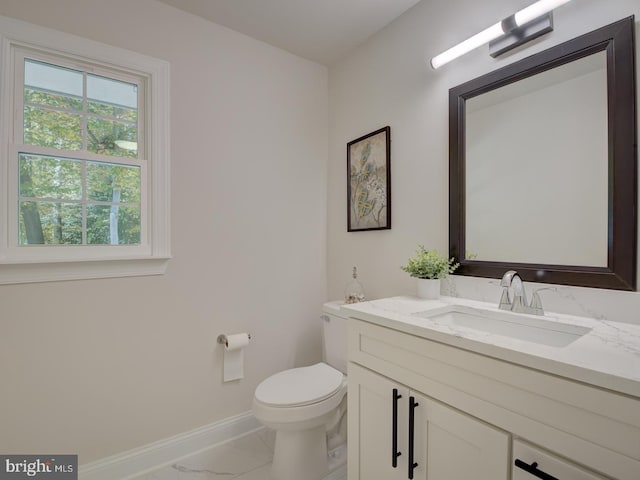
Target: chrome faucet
517	302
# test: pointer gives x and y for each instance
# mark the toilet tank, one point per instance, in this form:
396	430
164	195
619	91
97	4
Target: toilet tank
334	336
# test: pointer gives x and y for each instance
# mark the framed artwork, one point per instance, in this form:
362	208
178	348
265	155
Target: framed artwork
369	182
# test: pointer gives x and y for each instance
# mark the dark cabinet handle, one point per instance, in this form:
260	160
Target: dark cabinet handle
394	435
412	406
533	470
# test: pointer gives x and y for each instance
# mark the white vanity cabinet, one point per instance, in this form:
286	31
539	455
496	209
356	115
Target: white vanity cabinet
476	414
403	434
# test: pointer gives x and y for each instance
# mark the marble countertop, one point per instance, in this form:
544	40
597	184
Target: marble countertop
607	356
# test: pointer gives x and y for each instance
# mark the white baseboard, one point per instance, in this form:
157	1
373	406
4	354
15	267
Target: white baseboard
164	452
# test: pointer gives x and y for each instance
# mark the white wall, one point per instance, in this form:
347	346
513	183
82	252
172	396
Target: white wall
388	81
99	367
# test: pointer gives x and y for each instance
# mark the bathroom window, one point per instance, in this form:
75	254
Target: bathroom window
79	156
86	155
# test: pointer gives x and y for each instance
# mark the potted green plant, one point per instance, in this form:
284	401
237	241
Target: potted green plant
429	267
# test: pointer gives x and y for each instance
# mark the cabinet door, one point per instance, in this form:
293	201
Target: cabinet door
377	433
450	445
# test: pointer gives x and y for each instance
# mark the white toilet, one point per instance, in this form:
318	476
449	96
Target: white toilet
307	407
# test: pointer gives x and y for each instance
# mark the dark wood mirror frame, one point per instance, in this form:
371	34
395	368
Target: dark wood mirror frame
617	40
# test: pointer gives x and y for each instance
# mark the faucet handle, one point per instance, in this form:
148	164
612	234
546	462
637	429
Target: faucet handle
505	302
536	304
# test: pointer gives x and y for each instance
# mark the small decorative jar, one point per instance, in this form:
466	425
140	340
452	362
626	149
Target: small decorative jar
354	293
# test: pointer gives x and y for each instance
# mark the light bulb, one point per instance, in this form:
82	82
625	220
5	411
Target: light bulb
536	10
469	44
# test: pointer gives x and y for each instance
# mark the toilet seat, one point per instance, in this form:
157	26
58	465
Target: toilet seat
298	387
299	398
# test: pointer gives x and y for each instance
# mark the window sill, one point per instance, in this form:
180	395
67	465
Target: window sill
17	273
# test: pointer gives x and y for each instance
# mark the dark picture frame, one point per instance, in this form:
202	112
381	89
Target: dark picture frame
369	182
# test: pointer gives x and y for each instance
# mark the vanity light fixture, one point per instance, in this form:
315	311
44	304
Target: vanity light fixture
519	28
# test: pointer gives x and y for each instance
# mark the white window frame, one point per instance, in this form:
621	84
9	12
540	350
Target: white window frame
38	263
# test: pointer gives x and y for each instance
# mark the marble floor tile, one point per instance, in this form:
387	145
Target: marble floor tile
261	473
245	458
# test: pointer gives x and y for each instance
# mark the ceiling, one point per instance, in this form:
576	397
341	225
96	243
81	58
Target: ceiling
323	31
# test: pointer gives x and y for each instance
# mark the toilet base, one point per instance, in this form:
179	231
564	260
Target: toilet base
300	454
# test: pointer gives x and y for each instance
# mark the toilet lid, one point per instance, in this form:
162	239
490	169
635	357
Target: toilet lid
300	386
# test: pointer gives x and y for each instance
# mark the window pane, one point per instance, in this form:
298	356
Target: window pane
113	225
51	99
48	128
107	182
120	113
53	79
50	223
112	138
112	92
48	177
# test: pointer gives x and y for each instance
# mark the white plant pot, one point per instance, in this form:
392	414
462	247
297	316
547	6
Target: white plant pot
428	288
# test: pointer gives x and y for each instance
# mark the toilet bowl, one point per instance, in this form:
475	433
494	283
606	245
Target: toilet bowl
300	404
304	404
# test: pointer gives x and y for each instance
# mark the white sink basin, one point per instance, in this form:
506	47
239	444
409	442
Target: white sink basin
514	325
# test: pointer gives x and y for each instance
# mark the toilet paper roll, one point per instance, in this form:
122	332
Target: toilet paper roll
236	341
234	355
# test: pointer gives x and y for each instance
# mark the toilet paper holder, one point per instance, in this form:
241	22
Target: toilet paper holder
222	338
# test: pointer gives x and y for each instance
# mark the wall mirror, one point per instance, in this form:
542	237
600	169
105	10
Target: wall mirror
542	165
